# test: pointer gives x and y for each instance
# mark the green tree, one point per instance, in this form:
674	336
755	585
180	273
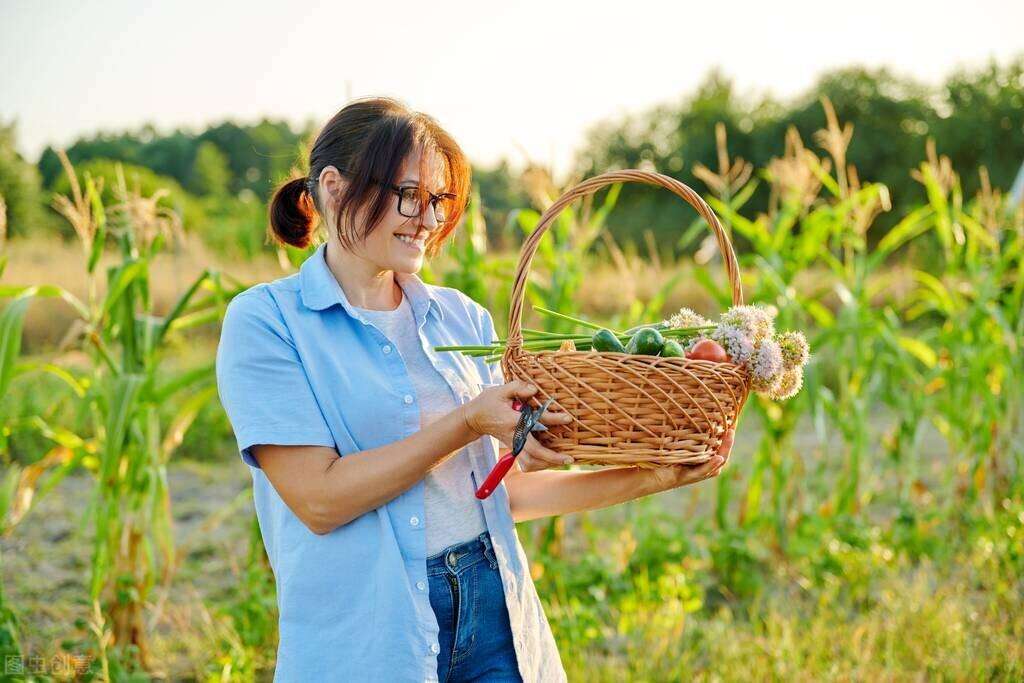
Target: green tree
210	172
20	187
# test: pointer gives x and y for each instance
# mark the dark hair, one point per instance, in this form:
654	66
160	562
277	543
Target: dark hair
370	138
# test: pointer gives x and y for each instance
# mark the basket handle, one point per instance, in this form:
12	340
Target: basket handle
589	186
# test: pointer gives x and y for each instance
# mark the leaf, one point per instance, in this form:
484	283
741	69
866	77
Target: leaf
910	226
183	420
188	379
120	278
46	291
821	315
12	320
100	219
123	396
179	307
937	292
919	350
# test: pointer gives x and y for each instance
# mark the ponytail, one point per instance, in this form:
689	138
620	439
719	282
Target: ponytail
292	214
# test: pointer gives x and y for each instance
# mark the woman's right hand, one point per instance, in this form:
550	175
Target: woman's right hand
491	412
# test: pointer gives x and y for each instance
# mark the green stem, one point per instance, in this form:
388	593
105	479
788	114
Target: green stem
578	321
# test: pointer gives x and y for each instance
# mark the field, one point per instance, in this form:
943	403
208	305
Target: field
870	528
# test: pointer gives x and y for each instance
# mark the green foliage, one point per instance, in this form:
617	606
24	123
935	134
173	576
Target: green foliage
210	172
255	156
976	116
19	188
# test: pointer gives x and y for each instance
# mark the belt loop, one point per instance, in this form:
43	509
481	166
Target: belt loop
489	550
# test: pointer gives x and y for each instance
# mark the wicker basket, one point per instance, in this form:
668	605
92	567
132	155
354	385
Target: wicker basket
629	409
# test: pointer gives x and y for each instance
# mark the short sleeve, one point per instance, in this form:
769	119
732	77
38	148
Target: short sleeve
262	382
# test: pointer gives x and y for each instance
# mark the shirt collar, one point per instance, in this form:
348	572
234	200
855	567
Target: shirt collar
320	290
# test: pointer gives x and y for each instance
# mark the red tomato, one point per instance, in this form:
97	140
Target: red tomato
707	349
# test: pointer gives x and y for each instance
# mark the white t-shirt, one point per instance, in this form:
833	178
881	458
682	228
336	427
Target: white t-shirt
453	513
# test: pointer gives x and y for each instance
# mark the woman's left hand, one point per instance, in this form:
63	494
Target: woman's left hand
683	475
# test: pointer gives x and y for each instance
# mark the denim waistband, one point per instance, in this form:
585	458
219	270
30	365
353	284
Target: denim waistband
457	557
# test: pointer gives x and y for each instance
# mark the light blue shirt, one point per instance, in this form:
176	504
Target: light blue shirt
297	364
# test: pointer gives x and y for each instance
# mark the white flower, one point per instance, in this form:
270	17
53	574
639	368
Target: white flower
758	322
795	351
735	340
765	365
788	385
686	317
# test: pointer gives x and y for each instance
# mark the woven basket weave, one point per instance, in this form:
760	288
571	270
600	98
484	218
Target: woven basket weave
629	409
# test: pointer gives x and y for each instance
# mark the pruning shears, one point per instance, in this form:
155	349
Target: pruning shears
529	421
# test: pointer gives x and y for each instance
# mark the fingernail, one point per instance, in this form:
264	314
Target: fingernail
567	460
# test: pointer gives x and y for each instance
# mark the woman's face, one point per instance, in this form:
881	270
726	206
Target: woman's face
397	243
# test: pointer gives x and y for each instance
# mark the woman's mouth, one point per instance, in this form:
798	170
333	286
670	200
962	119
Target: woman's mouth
416	244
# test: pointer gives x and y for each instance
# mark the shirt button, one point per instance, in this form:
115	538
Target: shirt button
387	348
422	585
408	398
414	520
435	648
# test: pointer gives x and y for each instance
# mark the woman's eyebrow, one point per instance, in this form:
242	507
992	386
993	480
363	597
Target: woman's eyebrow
414	181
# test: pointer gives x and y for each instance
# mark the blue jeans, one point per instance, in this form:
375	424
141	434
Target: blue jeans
469	601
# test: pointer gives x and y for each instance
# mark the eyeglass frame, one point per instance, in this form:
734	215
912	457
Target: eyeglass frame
397	189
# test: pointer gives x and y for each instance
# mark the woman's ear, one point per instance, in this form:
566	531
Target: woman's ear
332	181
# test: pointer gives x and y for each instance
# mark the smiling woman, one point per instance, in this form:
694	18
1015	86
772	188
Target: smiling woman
364	445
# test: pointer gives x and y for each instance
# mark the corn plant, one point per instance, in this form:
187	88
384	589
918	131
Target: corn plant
474	270
975	311
124	391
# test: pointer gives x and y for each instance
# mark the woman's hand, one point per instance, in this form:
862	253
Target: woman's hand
683	475
491	412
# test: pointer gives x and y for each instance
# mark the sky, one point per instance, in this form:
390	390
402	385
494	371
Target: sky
514	80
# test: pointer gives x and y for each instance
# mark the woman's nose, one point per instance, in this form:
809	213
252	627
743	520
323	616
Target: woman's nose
427	218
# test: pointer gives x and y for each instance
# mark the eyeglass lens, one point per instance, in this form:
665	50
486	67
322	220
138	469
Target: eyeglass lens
409	204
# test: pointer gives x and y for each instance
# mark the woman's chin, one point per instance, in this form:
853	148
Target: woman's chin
407	264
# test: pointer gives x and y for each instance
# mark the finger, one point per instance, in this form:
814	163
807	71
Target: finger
542	453
726	446
525	462
717	470
552	418
704	470
517	388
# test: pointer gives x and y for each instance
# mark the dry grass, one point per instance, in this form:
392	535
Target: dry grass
52	261
610	287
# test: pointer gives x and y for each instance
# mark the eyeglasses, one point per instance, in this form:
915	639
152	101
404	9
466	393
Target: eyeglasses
409	204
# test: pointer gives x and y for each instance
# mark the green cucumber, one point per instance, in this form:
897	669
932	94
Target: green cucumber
646	341
672	349
605	340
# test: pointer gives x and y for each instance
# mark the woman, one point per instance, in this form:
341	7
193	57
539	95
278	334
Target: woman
365	446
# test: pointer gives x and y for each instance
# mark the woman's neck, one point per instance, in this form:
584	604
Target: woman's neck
365	284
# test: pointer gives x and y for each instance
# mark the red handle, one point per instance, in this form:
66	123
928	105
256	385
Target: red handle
496	475
500	469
